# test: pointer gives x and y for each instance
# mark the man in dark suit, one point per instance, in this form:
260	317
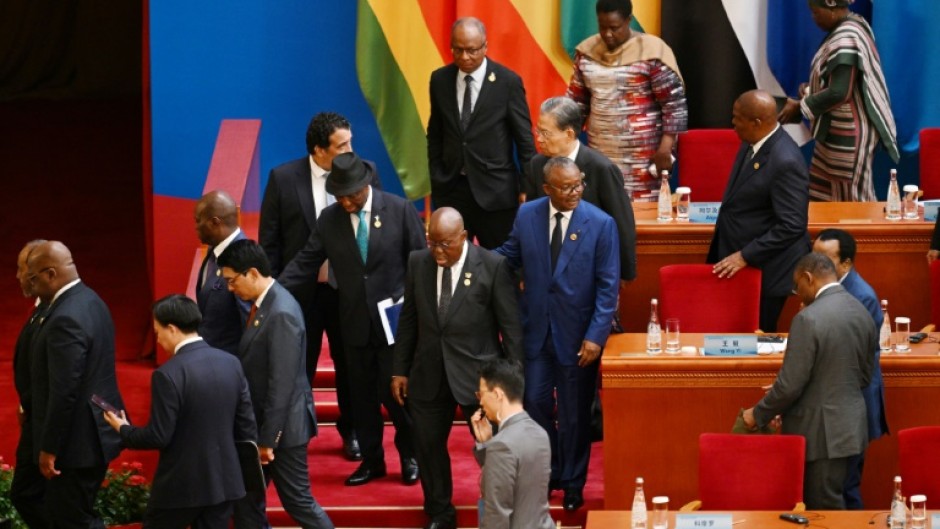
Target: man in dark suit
71	359
557	132
199	407
472	133
294	198
272	356
762	222
839	247
448	327
367	236
223	314
28	484
818	391
568	253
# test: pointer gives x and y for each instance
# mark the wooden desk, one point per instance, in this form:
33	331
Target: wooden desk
891	257
655	407
756	519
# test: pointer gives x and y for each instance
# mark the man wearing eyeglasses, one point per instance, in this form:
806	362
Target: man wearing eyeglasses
459	300
568	252
479	115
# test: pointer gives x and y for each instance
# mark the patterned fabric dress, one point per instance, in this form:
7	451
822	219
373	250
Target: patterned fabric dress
847	132
631	97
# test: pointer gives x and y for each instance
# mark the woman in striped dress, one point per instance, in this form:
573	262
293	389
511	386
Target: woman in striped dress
847	104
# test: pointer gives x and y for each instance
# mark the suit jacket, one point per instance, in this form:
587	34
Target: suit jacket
874	392
200	405
71	359
764	212
361	285
223	314
499	122
21	380
483	308
604	189
818	390
572	302
516	467
273	356
288	213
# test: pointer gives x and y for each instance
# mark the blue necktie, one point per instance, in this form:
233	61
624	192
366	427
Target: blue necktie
362	236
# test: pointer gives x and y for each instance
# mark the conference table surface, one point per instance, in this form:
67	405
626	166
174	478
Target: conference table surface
755	519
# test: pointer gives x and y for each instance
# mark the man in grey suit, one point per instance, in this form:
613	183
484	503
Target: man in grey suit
272	352
818	391
516	461
459	299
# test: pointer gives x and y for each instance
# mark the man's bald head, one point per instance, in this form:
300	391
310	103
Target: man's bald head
22	272
50	267
446	235
754	115
216	217
446	220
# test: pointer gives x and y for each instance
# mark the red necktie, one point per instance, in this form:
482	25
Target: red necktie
251	315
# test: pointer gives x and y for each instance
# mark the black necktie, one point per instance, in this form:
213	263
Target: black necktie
210	270
556	239
467	104
750	152
445	293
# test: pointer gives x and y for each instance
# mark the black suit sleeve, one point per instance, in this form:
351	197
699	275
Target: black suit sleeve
789	199
435	138
935	240
305	266
406	337
68	352
520	124
415	237
506	311
269	227
164	412
613	200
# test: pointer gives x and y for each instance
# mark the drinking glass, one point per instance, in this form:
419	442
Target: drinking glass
902	333
918	511
909	202
672	335
683	203
661	512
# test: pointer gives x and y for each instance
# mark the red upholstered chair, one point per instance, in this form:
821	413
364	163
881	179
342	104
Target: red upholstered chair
919	459
930	165
935	293
704	303
738	472
705	160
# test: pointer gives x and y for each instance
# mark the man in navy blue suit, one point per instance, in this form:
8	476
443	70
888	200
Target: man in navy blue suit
567	250
839	247
763	217
223	315
199	407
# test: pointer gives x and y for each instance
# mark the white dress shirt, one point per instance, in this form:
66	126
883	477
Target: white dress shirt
478	76
455	270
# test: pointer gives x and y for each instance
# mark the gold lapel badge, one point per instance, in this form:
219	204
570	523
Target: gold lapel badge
756	166
467	276
492	77
377	223
573	236
218	273
257	323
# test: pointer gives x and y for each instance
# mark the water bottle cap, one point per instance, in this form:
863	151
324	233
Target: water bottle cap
917	498
897	479
910	188
639	480
665	499
684	190
902	319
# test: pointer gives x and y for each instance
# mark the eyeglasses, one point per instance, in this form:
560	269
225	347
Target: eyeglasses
231	280
571	189
469	51
443	245
32	277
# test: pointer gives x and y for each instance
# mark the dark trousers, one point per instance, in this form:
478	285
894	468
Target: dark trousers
822	484
551	386
370	372
851	489
491	228
291	479
206	517
770	309
27	492
432	424
321	314
67	500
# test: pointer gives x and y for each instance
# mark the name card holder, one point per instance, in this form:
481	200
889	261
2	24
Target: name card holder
935	520
703	521
704	212
930	209
730	345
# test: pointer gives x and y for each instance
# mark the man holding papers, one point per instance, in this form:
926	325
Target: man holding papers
459	299
367	236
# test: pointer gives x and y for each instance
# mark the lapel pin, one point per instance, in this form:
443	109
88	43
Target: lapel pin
573	236
468	275
257	323
756	166
466	282
218	273
492	77
377	223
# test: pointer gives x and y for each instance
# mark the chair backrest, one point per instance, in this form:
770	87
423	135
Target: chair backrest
930	163
706	157
704	303
919	460
750	472
935	293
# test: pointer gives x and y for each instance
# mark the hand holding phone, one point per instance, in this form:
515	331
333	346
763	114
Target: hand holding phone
104	405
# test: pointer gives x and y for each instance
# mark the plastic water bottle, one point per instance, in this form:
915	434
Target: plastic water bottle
664	206
898	517
654	333
893	207
638	512
884	339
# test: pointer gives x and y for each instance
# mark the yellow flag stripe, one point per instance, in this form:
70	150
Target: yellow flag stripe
542	17
649	14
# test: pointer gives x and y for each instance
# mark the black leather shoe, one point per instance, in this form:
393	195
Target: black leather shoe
573	500
351	448
441	525
409	471
365	474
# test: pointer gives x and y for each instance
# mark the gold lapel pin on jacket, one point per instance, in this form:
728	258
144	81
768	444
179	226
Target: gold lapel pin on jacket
377	223
467	276
756	166
573	236
492	77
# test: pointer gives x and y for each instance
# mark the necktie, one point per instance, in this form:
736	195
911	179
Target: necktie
446	294
467	102
251	315
556	239
362	236
750	152
210	270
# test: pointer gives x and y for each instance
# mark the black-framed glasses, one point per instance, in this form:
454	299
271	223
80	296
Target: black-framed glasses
444	245
473	52
231	280
573	188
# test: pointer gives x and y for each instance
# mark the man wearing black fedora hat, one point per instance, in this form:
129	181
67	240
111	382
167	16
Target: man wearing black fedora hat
367	236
